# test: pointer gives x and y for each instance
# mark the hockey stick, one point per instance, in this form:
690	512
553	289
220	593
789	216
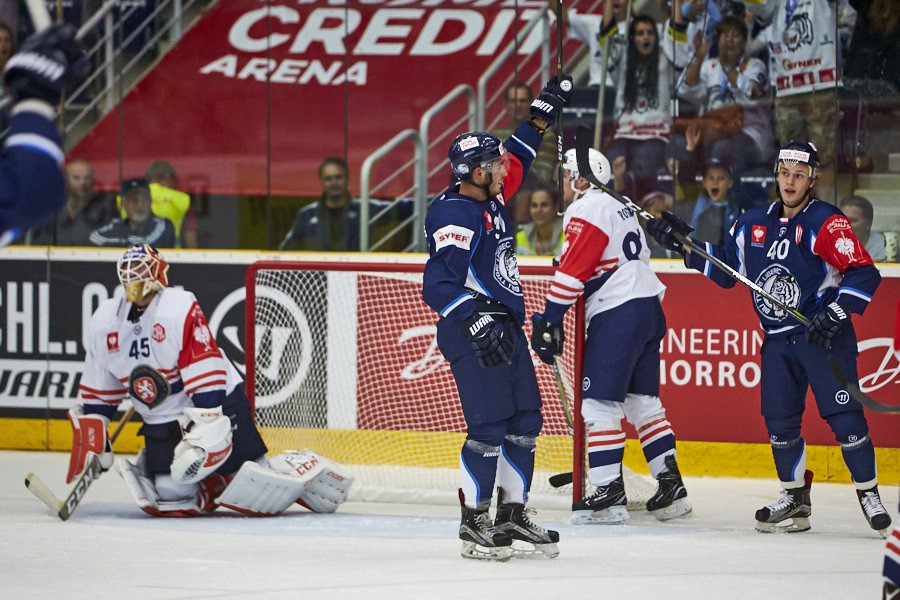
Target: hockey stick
858	395
40	16
582	147
561	479
560	173
92	470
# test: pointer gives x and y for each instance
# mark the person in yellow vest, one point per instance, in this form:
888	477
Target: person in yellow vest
544	235
169	203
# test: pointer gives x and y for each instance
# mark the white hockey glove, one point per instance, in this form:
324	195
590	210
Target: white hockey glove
205	444
88	435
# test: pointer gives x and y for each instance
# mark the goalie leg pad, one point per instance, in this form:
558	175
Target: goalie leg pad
145	493
88	435
265	490
327	490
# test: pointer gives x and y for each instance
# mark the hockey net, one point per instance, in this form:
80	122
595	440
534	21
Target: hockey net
343	360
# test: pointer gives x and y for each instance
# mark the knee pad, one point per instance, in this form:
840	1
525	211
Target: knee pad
640	409
602	414
491	434
850	429
529	442
784	431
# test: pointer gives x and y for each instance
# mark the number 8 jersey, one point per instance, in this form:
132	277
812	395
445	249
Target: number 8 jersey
163	362
605	256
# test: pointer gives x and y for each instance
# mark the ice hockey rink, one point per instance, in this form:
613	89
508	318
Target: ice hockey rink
110	549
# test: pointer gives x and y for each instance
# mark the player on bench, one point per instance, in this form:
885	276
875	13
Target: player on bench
201	447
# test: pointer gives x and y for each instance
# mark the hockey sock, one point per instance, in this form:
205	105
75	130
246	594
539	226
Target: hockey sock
606	448
790	461
516	466
478	470
859	456
657	442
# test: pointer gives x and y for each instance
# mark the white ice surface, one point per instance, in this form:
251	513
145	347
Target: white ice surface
110	549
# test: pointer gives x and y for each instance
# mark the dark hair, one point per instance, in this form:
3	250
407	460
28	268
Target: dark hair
730	22
641	72
518	85
333	160
862	204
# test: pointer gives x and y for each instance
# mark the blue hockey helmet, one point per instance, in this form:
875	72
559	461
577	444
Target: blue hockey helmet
474	149
796	151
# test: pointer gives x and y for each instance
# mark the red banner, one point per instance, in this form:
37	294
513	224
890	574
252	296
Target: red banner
256	94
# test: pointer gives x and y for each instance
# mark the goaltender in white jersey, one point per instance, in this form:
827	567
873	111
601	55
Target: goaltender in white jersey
202	449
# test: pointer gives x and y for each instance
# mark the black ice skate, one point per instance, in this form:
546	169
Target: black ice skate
669	501
871	505
480	538
794	504
607	505
529	540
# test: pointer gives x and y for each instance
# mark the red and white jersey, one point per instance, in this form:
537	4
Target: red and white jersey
164	362
605	257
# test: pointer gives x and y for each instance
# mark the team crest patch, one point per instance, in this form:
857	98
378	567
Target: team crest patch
506	267
779	283
203	336
845	246
112	342
798	234
758	236
148	386
159	333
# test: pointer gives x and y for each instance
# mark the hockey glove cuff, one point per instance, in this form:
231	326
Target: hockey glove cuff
826	325
547	338
663	230
489	340
552	98
45	63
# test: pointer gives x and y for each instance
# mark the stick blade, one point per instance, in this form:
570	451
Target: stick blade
43	493
560	479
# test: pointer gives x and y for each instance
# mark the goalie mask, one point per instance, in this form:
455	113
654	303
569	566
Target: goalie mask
599	166
142	272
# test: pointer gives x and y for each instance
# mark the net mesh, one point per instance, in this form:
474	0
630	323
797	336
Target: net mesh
346	363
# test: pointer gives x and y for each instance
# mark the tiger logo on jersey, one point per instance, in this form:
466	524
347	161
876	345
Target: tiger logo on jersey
783	286
506	267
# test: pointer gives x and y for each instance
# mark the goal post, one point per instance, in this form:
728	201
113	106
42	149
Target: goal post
342	358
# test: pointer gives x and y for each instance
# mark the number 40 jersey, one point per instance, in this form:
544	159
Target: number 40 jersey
605	257
165	361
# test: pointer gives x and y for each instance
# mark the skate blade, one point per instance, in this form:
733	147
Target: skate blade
497	554
613	515
798	524
679	508
527	550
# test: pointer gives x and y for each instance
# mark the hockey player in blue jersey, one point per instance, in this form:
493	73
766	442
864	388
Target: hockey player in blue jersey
32	186
804	253
472	280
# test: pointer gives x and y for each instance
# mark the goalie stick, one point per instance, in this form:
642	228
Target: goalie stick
582	148
92	470
858	395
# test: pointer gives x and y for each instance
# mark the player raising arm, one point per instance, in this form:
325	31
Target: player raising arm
803	252
472	280
201	447
606	259
32	186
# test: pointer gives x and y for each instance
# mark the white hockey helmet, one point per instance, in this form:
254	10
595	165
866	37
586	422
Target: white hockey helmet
598	162
142	271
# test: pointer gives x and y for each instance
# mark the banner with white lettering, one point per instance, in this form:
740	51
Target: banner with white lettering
256	94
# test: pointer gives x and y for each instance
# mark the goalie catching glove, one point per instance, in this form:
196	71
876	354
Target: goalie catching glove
88	435
663	230
205	444
826	325
489	340
552	98
546	338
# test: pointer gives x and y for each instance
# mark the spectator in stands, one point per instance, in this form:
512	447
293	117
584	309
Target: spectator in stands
172	204
7	48
518	99
643	119
332	223
804	63
544	235
85	210
655	203
139	225
736	84
716	208
861	214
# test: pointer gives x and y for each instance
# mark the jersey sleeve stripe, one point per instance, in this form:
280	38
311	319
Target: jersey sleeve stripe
192	380
524	145
36	142
854	292
456	302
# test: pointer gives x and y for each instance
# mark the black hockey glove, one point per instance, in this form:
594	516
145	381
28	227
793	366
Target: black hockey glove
826	325
552	98
663	230
488	338
546	338
45	63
